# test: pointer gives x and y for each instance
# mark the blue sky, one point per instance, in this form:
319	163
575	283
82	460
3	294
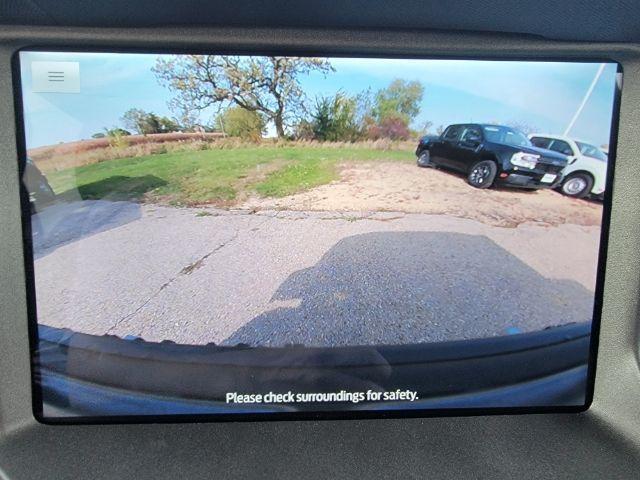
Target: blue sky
543	95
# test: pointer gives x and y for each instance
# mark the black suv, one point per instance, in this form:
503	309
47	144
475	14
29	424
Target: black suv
491	154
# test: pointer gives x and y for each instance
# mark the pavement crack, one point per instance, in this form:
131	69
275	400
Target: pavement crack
184	271
187	270
355	218
131	314
296	215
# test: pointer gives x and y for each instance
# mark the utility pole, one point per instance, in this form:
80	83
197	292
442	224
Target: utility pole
584	100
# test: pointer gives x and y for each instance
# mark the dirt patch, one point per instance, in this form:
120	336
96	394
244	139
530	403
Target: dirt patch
401	187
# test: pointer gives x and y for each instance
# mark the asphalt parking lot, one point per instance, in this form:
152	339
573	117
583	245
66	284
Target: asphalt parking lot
201	275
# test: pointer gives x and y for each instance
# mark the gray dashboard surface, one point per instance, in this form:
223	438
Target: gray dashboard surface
552	446
583	20
603	442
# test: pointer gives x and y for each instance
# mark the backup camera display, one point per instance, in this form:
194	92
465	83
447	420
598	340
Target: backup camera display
228	236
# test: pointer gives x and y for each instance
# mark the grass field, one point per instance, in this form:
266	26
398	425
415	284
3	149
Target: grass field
220	176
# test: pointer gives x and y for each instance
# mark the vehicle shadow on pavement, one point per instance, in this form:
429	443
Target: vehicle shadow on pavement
64	223
411	287
114	188
88	209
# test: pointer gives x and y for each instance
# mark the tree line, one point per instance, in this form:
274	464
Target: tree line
251	92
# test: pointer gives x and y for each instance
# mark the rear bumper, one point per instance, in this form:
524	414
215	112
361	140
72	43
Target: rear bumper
97	376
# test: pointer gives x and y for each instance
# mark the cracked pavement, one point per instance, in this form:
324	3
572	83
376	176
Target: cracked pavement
316	278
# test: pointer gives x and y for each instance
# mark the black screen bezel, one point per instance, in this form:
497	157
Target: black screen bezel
36	389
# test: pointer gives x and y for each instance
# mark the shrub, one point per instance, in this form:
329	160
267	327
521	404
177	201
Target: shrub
393	128
334	119
117	138
242	123
303	131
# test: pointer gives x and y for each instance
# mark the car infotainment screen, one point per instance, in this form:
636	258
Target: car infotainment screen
232	237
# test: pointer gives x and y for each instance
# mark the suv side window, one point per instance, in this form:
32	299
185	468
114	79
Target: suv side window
561	146
540	142
452	133
471	132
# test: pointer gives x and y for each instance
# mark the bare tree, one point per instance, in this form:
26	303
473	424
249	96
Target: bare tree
135	119
267	85
185	116
426	127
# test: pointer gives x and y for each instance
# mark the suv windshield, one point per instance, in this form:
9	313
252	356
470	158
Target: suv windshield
506	135
591	151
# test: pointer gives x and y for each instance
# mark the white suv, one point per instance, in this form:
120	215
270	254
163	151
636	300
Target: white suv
586	171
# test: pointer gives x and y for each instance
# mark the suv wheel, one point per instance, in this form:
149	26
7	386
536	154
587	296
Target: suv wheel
482	174
577	185
424	159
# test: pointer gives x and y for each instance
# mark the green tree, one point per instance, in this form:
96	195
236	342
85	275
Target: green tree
335	119
167	125
135	119
116	132
267	85
145	123
401	99
238	122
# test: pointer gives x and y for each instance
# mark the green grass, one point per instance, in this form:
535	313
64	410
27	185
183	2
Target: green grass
214	176
297	177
